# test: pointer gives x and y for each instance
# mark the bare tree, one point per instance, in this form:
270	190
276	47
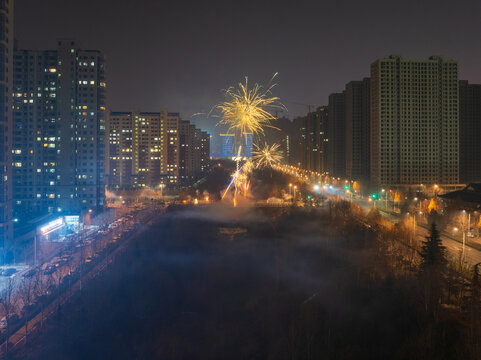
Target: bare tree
9	303
26	291
57	279
41	292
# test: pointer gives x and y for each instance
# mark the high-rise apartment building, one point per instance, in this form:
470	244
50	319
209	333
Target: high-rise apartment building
469	132
336	133
414	122
227	144
186	152
247	145
36	133
358	134
173	145
284	132
204	152
6	78
194	154
59	130
119	163
136	153
312	139
153	148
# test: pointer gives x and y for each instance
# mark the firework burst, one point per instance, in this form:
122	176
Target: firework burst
246	110
267	156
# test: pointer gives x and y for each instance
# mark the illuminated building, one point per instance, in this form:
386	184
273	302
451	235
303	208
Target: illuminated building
204	152
285	134
186	151
414	122
358	117
119	163
59	129
469	132
336	133
194	152
172	164
149	149
313	139
247	145
6	77
136	154
35	133
227	145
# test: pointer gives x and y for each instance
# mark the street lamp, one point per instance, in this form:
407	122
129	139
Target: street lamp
464	230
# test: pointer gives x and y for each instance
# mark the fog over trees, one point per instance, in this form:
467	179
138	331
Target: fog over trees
296	284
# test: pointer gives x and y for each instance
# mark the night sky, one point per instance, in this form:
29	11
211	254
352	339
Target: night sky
181	54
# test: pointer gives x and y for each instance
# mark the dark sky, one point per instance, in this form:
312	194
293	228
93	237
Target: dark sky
180	54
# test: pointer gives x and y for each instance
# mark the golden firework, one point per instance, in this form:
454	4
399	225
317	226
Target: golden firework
267	156
246	110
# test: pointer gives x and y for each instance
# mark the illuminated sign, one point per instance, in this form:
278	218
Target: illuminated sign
52	226
72	219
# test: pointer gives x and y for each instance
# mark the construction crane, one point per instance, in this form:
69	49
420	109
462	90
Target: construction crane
309	106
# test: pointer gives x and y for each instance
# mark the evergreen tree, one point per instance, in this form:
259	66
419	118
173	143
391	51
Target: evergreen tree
473	310
433	270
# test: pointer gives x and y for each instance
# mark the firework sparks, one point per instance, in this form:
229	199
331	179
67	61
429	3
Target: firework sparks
246	110
266	156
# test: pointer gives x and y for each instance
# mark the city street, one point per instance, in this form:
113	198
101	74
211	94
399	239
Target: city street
454	247
87	256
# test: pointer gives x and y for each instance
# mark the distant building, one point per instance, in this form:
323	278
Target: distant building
358	134
414	122
227	145
468	198
194	152
59	130
336	133
284	133
6	79
312	140
186	152
204	152
173	147
153	148
247	144
469	132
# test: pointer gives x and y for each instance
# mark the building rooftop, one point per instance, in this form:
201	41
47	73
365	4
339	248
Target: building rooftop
470	194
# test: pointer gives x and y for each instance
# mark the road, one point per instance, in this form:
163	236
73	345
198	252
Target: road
454	247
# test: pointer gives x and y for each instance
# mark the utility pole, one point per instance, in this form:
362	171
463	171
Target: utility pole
414	227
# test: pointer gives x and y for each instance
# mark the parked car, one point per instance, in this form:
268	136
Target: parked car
29	273
9	272
50	269
472	233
